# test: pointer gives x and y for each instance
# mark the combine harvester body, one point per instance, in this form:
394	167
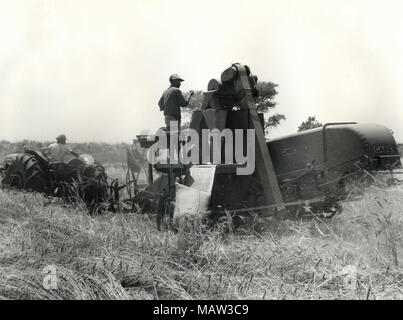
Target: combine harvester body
311	171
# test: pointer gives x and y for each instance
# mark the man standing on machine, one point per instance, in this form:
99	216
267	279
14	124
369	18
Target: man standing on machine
171	101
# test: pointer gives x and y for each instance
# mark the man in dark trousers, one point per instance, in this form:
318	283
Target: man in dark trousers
171	101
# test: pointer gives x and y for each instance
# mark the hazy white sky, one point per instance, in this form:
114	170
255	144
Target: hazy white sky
95	70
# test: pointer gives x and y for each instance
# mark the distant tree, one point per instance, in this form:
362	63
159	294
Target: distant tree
310	123
274	120
265	103
267	92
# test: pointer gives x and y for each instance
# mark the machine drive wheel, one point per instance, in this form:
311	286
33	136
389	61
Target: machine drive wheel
25	173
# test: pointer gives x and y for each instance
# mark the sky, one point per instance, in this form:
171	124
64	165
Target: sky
95	70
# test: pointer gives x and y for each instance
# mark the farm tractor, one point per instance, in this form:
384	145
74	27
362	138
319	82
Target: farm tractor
80	178
310	172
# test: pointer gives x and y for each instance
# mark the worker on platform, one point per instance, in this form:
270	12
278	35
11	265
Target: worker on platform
59	151
171	101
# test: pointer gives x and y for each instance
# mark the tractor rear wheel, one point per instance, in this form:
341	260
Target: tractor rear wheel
25	173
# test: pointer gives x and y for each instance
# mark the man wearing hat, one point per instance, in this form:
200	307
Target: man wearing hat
59	151
171	101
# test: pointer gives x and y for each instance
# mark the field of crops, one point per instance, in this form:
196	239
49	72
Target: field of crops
355	255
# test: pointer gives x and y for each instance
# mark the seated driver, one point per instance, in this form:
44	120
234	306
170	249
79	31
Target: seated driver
59	151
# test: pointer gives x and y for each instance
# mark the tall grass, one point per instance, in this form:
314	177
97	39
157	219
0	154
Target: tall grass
124	256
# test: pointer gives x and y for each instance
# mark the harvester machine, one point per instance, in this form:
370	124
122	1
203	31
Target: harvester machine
307	172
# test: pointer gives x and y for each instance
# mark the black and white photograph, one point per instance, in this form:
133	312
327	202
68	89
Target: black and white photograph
203	157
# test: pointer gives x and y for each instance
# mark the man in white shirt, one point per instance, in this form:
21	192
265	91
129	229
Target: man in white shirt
60	151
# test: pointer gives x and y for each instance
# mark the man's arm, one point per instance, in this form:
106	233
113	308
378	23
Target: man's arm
47	150
181	99
161	103
68	149
44	150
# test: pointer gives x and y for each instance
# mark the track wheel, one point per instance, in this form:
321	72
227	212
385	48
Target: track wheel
25	173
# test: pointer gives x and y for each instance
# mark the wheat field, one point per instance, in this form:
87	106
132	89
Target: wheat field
124	256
